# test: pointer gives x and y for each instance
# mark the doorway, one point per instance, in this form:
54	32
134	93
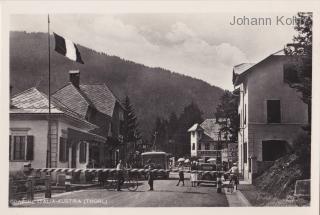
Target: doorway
274	149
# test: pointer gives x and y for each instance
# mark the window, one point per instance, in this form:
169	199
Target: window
193	146
200	134
63	150
121	115
83	152
273	111
290	74
207	146
21	148
199	146
192	133
245	153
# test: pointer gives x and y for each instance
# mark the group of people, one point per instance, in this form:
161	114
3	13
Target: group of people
193	175
120	176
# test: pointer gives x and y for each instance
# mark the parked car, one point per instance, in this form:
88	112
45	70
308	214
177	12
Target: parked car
209	176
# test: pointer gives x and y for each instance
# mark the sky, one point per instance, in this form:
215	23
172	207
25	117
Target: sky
200	45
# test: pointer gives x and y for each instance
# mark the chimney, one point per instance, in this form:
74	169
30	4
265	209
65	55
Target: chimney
74	77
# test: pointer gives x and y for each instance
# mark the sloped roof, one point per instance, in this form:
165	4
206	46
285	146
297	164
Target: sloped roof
70	97
98	96
238	69
32	101
242	70
211	128
195	127
101	97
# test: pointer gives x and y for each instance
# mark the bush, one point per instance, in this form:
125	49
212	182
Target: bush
302	148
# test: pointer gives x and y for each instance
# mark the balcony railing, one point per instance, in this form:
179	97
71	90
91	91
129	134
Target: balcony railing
211	153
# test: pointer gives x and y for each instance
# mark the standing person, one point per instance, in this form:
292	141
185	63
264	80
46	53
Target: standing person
234	172
120	178
193	174
181	174
150	167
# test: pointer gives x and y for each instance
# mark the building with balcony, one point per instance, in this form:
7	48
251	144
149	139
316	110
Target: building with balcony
207	141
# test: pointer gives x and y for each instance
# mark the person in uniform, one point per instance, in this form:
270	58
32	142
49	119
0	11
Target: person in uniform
150	175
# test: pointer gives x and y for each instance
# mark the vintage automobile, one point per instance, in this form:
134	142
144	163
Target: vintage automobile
207	176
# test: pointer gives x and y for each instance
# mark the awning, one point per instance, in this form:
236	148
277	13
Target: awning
75	136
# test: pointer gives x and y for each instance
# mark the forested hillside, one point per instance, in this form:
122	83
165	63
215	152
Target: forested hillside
152	91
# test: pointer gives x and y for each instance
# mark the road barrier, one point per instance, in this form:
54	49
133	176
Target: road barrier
112	170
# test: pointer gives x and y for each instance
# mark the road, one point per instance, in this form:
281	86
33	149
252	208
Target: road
166	194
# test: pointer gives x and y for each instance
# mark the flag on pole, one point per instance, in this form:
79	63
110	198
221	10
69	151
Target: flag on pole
67	48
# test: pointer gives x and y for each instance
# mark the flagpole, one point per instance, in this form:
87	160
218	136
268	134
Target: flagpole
48	161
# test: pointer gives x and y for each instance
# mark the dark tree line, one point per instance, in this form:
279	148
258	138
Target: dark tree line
131	133
170	135
227	115
301	49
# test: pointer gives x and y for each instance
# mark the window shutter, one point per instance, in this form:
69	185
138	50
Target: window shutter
10	147
83	152
61	149
30	148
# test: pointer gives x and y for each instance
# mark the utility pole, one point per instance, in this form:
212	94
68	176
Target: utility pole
154	142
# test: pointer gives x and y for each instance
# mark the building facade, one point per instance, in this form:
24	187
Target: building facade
271	112
85	128
207	141
98	105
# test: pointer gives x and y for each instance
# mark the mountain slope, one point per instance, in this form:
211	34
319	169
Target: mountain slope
153	91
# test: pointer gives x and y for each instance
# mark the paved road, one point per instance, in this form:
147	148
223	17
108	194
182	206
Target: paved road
166	194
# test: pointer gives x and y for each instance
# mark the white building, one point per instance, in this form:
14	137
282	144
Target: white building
70	136
205	139
271	112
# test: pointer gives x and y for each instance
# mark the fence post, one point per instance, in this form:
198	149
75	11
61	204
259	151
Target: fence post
30	188
67	182
48	187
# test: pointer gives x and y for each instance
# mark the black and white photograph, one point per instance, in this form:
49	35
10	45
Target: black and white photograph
160	109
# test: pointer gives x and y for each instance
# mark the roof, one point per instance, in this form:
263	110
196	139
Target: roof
32	101
70	97
211	128
101	97
242	70
195	127
80	99
238	69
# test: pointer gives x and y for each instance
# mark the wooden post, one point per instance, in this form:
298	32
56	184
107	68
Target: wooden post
30	188
48	186
67	182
